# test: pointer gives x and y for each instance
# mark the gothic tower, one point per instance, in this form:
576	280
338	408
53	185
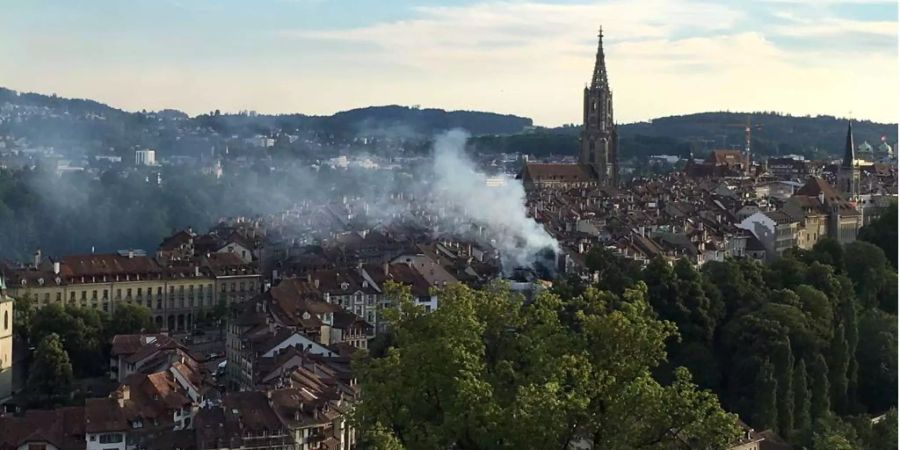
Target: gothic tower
848	173
599	141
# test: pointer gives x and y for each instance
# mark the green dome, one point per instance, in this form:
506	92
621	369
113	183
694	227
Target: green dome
864	147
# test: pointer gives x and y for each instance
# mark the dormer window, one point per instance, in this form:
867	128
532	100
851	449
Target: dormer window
345	286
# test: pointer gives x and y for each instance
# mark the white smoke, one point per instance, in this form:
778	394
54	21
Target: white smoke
461	190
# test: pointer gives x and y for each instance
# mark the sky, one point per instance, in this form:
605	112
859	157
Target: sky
530	58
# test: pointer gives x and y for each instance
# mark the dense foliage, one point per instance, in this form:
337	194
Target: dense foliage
50	376
84	334
883	233
803	346
489	370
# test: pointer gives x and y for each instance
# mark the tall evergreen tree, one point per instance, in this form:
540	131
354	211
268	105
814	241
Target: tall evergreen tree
821	400
839	363
50	377
783	364
802	401
851	332
765	406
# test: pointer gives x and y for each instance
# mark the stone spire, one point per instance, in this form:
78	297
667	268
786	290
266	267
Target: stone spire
599	80
849	149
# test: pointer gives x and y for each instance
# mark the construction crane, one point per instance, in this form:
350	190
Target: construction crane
748	127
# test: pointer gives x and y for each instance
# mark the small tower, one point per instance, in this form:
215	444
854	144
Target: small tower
6	343
848	173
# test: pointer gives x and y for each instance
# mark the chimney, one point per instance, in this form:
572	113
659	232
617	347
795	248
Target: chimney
56	267
37	258
387	269
130	254
309	278
316	283
197	271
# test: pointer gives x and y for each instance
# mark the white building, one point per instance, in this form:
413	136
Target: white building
145	157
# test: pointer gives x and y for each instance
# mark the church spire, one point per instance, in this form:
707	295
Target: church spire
849	150
599	80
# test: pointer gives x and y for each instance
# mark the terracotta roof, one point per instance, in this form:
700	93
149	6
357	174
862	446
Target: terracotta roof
108	264
63	428
565	173
814	186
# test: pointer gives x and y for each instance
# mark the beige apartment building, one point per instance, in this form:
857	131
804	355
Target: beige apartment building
176	294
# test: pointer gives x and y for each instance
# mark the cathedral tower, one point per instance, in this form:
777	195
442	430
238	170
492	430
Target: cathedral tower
599	141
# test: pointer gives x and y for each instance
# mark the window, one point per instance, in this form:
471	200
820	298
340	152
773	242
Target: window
93	295
5	320
110	438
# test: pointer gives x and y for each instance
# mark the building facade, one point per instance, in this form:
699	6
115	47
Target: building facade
176	294
6	343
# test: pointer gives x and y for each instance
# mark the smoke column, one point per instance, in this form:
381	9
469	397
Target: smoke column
460	187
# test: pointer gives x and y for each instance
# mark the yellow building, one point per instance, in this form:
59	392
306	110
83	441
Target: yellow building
176	294
6	343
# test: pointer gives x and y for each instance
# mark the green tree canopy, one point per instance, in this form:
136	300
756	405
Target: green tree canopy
486	370
128	318
883	233
50	376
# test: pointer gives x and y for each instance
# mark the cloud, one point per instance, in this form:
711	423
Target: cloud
528	57
664	57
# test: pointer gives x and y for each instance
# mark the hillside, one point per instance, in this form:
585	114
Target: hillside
86	127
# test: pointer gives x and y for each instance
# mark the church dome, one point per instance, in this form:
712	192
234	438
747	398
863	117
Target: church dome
885	149
865	147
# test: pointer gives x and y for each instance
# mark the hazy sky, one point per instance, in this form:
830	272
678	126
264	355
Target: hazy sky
530	58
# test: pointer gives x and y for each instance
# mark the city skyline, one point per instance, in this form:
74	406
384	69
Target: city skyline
525	58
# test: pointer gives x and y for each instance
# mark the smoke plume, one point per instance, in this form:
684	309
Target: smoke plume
498	210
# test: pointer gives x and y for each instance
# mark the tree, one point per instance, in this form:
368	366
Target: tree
802	401
129	318
816	305
821	391
50	377
883	233
24	313
614	272
839	363
783	364
887	296
831	432
830	252
677	294
486	369
81	332
766	398
884	432
877	356
867	267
